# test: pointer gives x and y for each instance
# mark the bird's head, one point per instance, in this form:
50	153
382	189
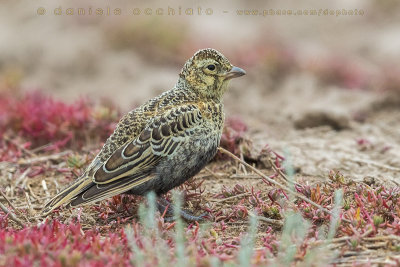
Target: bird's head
208	73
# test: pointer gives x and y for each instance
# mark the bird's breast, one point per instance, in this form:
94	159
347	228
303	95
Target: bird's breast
213	114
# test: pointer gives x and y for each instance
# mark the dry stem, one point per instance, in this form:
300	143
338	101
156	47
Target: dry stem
276	183
12	215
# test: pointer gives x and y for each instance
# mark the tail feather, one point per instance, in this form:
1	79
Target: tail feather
85	191
67	194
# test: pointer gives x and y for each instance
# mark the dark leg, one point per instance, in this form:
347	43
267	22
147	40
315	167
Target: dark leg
164	206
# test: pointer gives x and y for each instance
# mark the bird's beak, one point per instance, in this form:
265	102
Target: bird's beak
234	72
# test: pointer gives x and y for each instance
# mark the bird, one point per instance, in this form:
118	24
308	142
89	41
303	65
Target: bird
161	144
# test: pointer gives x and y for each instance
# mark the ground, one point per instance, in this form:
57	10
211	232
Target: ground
325	100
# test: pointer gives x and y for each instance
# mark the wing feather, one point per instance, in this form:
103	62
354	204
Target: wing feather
98	192
161	137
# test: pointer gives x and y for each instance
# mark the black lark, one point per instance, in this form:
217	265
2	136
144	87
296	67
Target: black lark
162	143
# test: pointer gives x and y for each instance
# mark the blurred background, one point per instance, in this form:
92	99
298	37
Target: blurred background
130	57
328	65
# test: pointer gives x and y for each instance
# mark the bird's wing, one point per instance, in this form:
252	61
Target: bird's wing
133	163
161	137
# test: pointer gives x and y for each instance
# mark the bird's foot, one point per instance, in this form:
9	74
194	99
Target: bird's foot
167	209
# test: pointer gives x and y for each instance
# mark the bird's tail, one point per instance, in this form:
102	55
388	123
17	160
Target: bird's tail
67	194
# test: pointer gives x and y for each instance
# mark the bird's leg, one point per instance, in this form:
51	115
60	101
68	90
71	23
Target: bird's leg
166	208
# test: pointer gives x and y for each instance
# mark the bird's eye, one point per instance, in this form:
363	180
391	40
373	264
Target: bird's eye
211	67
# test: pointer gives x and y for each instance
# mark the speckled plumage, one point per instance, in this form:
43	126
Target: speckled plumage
162	143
